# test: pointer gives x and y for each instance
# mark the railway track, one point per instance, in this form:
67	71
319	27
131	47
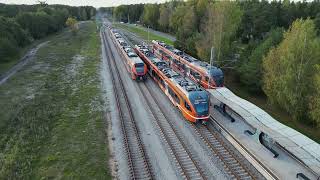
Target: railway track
188	165
234	167
138	162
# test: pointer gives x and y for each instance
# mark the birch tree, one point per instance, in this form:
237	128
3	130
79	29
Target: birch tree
289	69
224	18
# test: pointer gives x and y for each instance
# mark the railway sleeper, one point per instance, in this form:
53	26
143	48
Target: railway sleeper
243	174
239	169
230	162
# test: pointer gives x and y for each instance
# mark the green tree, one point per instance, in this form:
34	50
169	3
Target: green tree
177	17
39	24
289	69
251	70
187	33
150	15
317	22
120	13
164	17
72	23
8	49
10	29
220	28
314	102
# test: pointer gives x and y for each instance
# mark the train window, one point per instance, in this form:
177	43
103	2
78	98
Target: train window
162	82
153	73
139	65
197	76
192	72
183	67
187	105
172	94
177	98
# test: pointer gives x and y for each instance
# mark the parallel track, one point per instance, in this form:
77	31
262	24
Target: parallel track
188	166
233	166
138	162
231	163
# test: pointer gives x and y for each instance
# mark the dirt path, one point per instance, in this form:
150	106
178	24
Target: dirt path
23	61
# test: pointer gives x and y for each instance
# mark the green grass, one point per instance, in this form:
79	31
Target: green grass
143	33
276	112
52	122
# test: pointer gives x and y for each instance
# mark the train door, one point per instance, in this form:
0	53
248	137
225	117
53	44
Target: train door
187	71
166	89
151	71
196	76
173	97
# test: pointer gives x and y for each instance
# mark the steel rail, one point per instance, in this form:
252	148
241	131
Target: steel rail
176	150
215	143
135	149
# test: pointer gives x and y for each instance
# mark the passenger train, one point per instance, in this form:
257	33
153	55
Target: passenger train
207	76
134	64
188	97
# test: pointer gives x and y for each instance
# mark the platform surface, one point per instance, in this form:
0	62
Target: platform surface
302	147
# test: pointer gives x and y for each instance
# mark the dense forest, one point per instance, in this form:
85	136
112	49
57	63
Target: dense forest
20	25
271	47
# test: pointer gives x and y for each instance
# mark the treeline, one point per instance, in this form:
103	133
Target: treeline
21	24
258	42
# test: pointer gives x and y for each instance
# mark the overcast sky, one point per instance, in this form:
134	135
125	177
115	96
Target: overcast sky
95	3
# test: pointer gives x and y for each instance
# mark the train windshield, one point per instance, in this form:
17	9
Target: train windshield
139	67
216	77
200	103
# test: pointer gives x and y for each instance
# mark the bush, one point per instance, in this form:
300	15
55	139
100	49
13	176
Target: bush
7	49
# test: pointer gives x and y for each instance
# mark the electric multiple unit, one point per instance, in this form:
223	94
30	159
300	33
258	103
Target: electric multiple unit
191	99
207	76
134	64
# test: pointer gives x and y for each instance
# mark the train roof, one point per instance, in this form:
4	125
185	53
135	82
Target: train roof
209	69
128	50
185	85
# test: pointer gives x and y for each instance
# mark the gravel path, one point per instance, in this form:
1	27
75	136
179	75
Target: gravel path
23	61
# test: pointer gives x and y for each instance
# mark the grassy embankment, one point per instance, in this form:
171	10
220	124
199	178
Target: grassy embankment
52	117
143	33
242	91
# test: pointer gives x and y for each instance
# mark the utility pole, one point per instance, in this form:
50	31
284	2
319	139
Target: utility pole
212	56
128	18
211	64
148	33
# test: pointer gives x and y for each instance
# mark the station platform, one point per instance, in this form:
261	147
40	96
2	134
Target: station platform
285	151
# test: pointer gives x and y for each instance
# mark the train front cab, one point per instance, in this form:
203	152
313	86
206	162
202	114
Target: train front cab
195	108
139	71
214	78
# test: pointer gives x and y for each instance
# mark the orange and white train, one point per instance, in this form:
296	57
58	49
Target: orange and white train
134	64
207	76
187	96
